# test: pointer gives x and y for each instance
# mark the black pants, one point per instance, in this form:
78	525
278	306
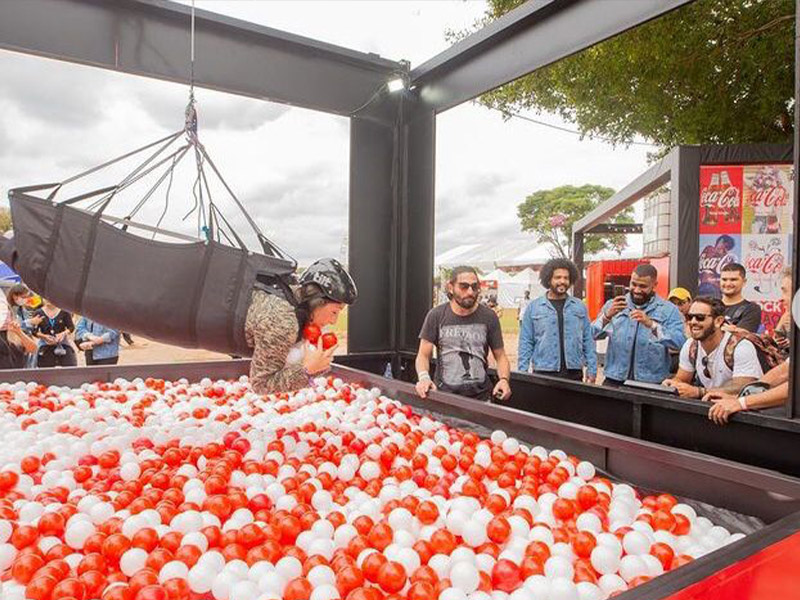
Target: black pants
48	357
91	362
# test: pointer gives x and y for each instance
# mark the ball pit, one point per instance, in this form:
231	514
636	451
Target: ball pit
158	490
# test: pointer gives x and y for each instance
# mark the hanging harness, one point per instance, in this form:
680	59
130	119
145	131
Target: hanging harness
194	293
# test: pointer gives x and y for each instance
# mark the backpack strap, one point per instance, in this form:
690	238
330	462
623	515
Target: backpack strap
729	349
693	353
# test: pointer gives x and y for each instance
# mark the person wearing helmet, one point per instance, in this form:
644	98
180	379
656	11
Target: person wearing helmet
282	361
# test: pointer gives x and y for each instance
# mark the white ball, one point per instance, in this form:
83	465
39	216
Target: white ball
77	533
563	589
654	566
635	543
272	583
6	529
321	575
538	586
7	555
604	559
200	578
585	470
465	577
289	567
558	566
631	567
474	533
325	592
221	588
133	560
244	590
452	593
589	591
589	522
611	583
173	569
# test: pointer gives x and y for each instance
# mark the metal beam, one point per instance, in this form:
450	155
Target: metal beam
151	38
644	184
533	35
612	228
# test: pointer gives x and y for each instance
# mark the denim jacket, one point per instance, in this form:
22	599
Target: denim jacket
539	337
652	356
111	336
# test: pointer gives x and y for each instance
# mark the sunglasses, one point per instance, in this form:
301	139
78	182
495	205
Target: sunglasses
706	372
465	286
696	317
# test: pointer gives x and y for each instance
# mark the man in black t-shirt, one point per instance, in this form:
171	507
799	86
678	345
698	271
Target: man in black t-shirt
738	311
463	331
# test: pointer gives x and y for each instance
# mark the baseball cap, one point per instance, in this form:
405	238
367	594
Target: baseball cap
680	293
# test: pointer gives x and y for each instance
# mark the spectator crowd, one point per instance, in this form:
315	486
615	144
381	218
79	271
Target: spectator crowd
35	333
706	349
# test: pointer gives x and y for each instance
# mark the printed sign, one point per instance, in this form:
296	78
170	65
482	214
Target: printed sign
746	217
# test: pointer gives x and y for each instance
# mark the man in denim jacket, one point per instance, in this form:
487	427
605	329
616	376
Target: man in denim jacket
642	328
99	343
556	336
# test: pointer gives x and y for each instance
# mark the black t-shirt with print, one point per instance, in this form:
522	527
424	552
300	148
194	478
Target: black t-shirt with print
462	347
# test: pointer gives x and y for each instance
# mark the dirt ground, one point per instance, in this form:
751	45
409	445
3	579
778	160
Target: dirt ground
146	351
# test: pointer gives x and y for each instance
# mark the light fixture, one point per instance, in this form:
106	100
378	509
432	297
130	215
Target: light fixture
395	85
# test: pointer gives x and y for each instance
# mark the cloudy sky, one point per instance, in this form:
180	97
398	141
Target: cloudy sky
58	118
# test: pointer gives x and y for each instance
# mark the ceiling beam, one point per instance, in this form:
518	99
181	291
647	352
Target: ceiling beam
533	35
152	38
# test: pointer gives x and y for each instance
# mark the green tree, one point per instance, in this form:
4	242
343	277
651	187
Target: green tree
5	220
550	215
714	71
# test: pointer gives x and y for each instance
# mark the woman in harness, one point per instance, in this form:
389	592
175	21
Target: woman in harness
282	360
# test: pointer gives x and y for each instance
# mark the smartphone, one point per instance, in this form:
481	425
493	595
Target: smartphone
619	290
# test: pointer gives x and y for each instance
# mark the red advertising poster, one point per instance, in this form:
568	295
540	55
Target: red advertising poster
721	196
746	217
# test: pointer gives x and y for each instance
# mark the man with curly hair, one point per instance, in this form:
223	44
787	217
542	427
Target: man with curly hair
556	335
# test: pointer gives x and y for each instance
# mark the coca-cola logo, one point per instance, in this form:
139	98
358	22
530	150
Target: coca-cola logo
714	263
769	264
727	198
775	196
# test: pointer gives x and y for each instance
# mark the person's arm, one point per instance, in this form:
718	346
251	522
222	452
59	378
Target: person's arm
69	325
109	337
423	365
777	375
671	332
682	380
29	345
589	349
726	405
527	342
502	390
746	367
601	326
751	319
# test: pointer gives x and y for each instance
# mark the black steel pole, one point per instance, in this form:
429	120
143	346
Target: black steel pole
577	255
793	407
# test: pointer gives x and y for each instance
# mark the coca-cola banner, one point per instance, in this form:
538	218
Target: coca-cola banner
721	199
764	258
716	251
746	217
767	191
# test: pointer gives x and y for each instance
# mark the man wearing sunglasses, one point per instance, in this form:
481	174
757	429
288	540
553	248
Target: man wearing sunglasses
717	358
463	331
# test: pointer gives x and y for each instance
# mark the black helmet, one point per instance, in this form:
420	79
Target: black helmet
330	276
